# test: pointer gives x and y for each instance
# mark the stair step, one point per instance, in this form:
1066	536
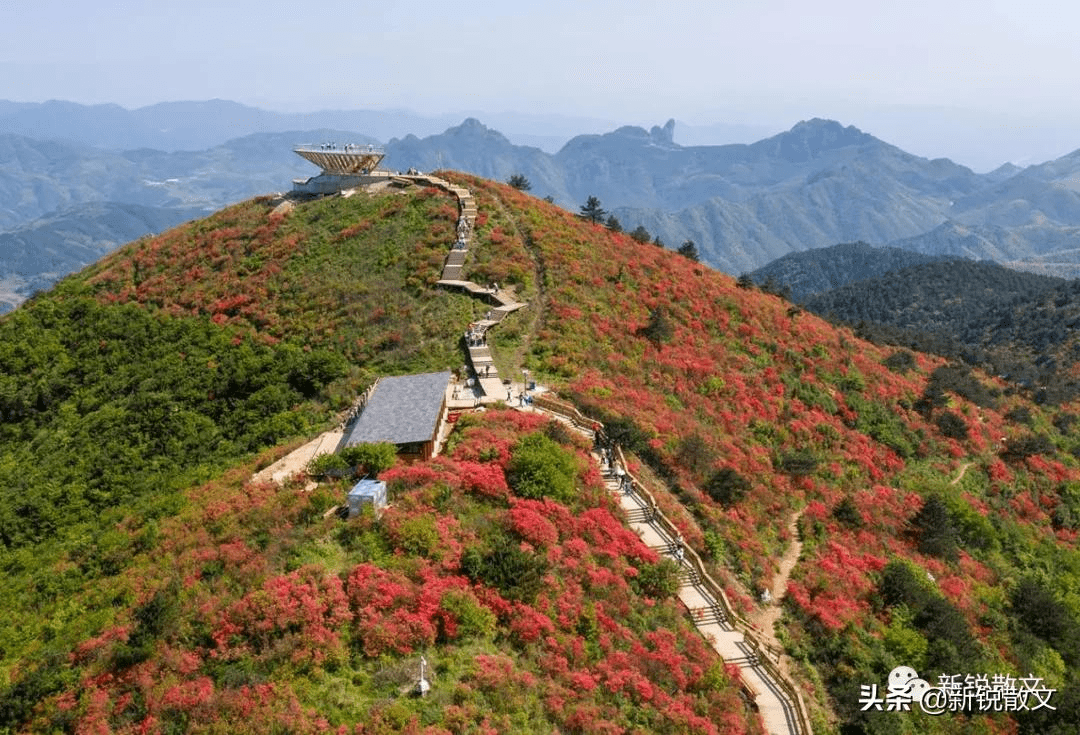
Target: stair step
743	661
711	614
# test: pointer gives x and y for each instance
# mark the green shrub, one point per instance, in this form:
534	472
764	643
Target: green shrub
1026	446
727	487
797	464
952	425
320	500
938	535
810	394
418	536
900	361
958	379
473	619
540	468
902	583
517	574
659	329
951	646
1038	609
325	462
883	425
370	459
847	513
659	580
694	454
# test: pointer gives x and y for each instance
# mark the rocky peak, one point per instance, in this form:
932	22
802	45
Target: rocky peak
664	134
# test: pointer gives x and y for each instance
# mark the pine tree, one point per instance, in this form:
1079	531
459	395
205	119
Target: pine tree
689	250
519	182
592	211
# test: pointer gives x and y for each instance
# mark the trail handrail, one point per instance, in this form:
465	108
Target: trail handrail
765	652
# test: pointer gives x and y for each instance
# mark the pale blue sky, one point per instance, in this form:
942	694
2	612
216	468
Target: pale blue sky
918	73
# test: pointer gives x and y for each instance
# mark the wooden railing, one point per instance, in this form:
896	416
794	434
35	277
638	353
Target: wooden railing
358	406
768	655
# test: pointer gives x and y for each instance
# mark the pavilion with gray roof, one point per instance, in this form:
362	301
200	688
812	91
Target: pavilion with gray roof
407	411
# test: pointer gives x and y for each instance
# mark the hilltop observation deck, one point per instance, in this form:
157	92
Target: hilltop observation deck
343	166
345	159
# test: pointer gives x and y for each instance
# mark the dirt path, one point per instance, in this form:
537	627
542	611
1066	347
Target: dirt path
764	619
536	305
960	476
296	460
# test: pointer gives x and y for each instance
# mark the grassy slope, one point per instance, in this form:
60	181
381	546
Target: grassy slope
805	412
178	356
817	424
267	614
232	607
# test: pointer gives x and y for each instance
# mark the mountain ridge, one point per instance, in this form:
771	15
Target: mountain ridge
148	581
743	205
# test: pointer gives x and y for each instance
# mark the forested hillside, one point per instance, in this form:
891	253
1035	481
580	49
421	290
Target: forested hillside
806	273
1017	325
149	585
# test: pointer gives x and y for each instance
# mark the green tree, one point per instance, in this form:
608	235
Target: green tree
727	487
592	211
694	454
640	234
659	329
519	182
370	459
952	425
541	468
516	573
937	532
326	462
613	223
847	512
659	580
689	250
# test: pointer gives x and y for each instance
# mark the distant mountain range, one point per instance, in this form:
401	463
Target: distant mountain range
744	205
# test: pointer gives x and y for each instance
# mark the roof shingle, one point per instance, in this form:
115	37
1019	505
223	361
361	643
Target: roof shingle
401	410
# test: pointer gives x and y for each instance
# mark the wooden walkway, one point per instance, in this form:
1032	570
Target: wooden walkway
779	702
488	386
775	697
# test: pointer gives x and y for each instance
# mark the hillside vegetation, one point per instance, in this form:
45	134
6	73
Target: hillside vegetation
148	586
1017	325
753	412
179	356
806	273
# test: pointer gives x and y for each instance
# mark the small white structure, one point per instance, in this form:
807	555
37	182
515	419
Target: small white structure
367	492
422	686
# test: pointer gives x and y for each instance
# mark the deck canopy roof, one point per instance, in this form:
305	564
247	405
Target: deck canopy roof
342	159
402	410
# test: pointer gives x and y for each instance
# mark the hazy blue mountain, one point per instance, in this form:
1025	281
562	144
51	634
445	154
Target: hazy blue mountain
38	177
35	256
196	125
744	205
476	148
172	126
